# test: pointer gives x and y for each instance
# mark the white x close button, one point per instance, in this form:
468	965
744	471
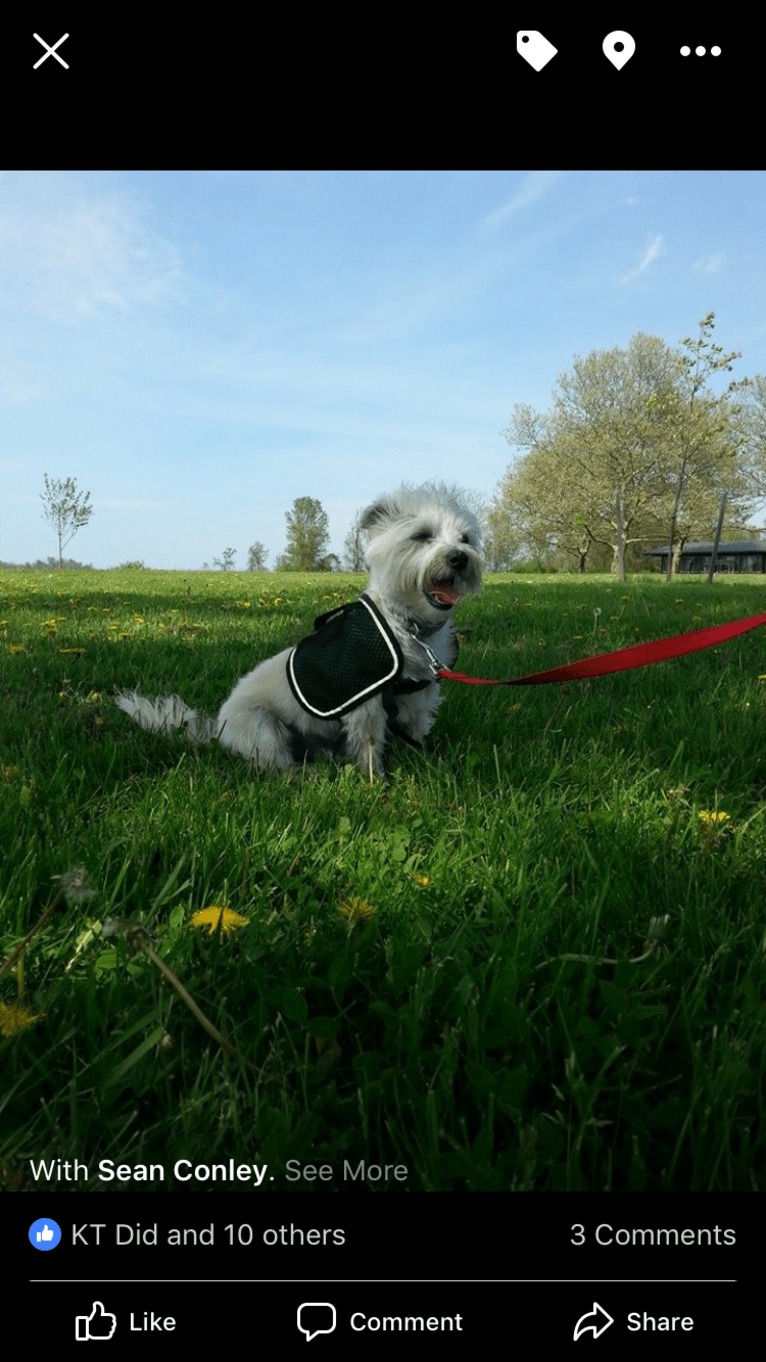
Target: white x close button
50	51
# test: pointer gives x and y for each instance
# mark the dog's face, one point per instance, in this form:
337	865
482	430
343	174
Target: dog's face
425	550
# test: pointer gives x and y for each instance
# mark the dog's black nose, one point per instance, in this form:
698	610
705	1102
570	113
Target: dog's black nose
457	559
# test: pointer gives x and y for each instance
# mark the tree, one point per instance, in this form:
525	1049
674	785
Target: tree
539	505
226	563
353	545
66	509
752	423
256	557
622	450
609	412
699	428
307	537
592	471
505	538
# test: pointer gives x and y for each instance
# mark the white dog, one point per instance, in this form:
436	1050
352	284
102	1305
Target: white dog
369	668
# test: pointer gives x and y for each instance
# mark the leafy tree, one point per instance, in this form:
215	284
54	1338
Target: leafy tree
66	509
541	507
752	423
354	546
256	557
593	464
506	538
307	537
621	451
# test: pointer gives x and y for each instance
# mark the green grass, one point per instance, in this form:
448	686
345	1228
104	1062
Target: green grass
496	1023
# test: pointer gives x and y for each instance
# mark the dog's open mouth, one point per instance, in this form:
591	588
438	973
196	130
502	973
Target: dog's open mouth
442	595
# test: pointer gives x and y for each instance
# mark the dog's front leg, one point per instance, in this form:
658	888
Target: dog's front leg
365	730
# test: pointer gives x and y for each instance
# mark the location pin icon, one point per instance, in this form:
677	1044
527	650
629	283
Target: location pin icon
619	48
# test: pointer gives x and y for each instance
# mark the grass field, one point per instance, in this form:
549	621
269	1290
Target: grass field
455	973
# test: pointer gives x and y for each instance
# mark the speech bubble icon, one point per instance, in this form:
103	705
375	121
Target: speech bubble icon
312	1328
618	48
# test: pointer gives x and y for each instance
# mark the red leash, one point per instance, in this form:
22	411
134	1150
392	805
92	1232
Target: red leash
640	655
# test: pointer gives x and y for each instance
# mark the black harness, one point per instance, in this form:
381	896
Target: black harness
352	655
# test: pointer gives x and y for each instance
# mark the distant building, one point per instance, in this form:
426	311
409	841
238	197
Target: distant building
745	556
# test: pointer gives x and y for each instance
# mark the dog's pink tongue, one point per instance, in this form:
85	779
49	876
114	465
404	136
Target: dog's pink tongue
443	592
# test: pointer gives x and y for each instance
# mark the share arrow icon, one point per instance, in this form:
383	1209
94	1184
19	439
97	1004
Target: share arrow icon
598	1320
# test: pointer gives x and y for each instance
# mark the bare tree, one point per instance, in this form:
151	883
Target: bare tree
700	446
226	563
66	509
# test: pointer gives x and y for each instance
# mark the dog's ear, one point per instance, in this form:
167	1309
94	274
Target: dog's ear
376	515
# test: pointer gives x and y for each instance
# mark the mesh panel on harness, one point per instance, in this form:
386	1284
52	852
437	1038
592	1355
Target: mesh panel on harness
351	656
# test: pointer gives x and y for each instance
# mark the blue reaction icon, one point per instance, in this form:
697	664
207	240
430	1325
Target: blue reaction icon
44	1234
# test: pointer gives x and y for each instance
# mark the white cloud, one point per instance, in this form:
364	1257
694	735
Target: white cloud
534	186
654	249
710	264
69	250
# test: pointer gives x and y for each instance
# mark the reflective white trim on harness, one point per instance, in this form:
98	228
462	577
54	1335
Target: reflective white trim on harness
386	675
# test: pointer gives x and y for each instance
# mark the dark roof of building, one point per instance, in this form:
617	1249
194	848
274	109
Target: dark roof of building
741	546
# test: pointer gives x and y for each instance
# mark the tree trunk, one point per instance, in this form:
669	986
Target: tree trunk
618	566
716	541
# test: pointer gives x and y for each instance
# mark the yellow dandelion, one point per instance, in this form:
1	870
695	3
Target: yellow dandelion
356	910
16	648
711	817
422	879
15	1018
214	917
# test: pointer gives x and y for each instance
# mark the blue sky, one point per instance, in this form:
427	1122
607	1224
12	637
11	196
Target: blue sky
199	348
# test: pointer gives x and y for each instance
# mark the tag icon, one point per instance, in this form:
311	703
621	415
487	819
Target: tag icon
534	48
618	48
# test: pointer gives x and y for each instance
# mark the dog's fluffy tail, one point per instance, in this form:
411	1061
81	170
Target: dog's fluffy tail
166	713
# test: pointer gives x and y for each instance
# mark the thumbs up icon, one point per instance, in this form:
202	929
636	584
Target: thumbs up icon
98	1324
44	1235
